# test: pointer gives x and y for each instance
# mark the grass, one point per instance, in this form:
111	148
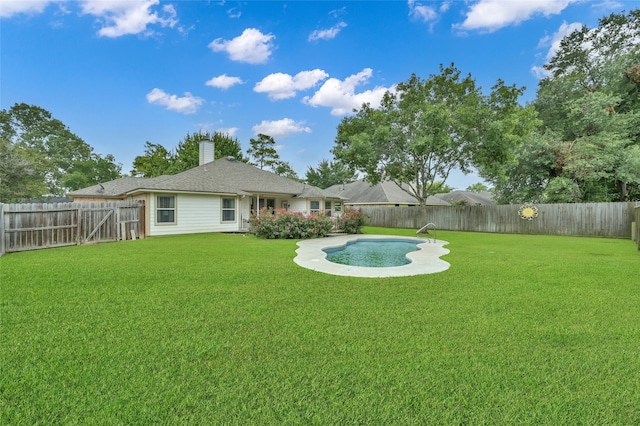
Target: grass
226	329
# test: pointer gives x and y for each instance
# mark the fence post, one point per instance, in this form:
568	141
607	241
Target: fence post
1	229
635	215
79	224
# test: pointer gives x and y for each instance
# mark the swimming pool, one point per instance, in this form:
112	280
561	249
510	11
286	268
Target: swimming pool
372	253
311	254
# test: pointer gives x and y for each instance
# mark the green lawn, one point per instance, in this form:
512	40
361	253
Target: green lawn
227	329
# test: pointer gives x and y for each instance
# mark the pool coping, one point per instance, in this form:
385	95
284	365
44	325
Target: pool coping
424	261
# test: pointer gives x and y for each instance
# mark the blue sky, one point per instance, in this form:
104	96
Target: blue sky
122	72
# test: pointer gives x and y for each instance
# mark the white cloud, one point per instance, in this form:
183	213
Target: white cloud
233	13
607	5
122	17
251	46
327	34
9	8
283	86
491	15
188	104
445	6
229	131
422	12
341	97
553	42
280	128
224	81
337	13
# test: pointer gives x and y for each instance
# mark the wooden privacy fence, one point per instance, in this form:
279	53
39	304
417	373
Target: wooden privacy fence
42	225
585	219
637	224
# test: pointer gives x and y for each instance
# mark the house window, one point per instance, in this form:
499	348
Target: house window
166	209
338	207
327	205
314	206
269	203
228	209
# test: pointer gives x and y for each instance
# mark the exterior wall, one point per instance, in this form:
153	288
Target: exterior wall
245	212
298	205
194	214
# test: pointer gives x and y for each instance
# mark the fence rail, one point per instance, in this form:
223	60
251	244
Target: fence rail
585	219
45	225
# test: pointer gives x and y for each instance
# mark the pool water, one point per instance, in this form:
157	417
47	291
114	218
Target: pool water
372	253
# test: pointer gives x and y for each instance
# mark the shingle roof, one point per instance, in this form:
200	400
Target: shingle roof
222	176
114	188
387	192
472	198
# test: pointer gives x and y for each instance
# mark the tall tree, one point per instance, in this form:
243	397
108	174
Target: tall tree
263	151
187	155
589	145
283	168
63	160
427	128
477	187
19	179
263	154
329	173
157	160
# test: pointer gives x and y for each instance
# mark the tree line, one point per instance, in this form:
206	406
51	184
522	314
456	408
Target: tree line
578	141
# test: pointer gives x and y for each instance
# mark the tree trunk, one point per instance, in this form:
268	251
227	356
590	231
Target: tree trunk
622	189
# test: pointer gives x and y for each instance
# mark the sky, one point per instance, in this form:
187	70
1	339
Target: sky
119	73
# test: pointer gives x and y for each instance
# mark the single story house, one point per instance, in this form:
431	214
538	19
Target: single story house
217	196
387	194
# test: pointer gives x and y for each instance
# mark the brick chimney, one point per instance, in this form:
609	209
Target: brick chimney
206	152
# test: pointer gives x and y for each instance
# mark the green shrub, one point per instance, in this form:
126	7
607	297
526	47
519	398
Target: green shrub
289	225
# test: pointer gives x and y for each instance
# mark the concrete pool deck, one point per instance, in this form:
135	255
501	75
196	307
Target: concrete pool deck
426	260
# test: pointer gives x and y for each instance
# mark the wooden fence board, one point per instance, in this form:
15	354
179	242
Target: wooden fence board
35	226
1	229
637	222
584	219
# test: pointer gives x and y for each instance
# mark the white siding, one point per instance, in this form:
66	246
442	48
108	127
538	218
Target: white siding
245	212
298	205
194	214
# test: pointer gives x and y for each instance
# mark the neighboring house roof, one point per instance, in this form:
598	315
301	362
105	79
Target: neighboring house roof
387	192
223	176
484	198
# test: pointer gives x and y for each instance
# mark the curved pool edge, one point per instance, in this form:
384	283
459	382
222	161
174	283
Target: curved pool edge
426	260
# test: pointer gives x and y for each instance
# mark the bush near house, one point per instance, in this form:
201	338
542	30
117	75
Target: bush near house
289	225
351	221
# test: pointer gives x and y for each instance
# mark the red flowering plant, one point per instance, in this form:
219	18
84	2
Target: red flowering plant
351	221
292	225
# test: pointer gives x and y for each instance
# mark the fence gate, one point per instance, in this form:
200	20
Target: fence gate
98	224
35	226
